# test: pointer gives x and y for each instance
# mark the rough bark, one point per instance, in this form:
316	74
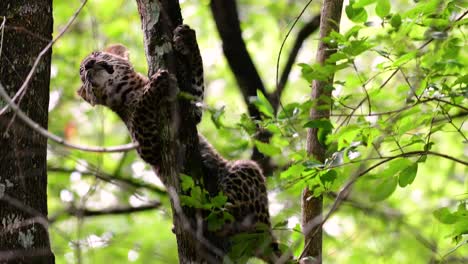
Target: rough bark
321	94
159	19
23	175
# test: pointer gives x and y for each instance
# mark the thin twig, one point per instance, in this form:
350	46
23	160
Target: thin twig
42	131
303	34
284	42
23	88
1	36
119	210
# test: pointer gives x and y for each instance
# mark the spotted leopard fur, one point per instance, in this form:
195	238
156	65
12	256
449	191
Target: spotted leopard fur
109	79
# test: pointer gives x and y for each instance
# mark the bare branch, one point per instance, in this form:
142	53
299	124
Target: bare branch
119	210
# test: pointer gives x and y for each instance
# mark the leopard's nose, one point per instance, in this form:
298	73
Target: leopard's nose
89	64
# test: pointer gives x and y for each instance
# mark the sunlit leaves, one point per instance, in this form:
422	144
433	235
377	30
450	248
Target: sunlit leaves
395	21
316	71
400	172
263	104
200	199
382	8
267	149
407	175
186	182
458	220
405	58
383	188
356	14
324	128
293	171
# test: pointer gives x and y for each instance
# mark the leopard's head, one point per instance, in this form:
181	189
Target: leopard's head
104	73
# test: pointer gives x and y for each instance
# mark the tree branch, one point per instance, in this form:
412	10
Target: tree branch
113	179
227	22
119	210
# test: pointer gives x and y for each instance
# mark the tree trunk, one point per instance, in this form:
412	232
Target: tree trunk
321	93
23	152
195	244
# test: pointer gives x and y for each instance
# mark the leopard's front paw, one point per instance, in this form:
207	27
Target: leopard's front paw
164	84
184	39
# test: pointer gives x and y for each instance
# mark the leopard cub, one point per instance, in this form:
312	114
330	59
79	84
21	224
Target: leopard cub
109	79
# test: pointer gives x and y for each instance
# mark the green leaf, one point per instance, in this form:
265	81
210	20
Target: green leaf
219	201
356	47
347	135
384	189
405	58
317	71
353	32
320	123
190	201
324	128
396	166
329	177
288	111
396	21
267	149
281	224
337	57
216	117
263	104
214	221
382	9
186	182
408	175
362	3
247	124
293	170
358	15
445	216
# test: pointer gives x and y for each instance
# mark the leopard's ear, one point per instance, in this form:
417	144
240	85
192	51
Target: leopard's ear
119	50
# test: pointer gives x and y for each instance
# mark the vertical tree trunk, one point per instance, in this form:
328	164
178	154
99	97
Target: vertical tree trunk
23	176
321	93
195	244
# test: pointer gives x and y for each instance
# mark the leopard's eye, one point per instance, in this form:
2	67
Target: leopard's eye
107	67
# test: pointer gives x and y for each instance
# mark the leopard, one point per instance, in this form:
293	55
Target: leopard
110	80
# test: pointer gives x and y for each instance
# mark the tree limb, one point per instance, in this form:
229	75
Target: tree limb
119	210
227	22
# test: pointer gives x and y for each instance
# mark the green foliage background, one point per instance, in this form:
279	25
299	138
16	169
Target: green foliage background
410	209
